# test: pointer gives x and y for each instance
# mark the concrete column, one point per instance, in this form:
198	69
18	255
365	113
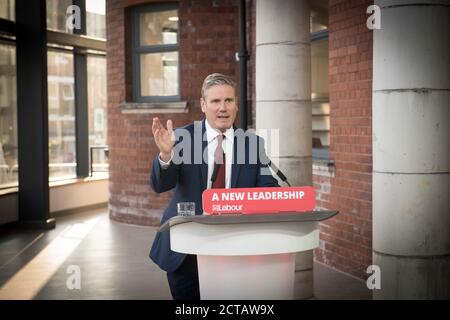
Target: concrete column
411	150
283	99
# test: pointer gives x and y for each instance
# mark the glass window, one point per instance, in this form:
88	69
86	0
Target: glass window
159	74
159	27
320	96
8	117
155	37
61	113
7	10
57	15
95	18
96	66
319	80
319	69
319	16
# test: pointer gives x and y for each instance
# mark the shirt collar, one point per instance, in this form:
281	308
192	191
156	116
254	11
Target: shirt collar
212	133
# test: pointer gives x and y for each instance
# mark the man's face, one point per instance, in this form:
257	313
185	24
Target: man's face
220	106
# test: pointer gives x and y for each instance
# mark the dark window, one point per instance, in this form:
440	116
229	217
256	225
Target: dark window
155	43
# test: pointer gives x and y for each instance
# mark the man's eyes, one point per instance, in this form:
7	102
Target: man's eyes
226	100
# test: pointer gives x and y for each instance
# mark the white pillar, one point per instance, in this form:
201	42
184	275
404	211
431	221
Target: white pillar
411	150
283	99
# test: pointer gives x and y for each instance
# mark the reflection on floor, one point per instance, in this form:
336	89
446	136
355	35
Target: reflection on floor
112	261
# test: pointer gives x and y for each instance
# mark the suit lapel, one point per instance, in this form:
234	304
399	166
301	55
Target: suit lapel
234	166
200	133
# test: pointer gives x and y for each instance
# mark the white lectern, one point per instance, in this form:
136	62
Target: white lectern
246	256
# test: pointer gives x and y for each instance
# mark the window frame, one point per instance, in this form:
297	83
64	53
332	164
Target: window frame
95	146
80	46
8	38
10	42
65	51
137	50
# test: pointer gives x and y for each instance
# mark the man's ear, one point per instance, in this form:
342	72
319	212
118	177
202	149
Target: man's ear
203	104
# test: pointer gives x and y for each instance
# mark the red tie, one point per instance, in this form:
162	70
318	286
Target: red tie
219	157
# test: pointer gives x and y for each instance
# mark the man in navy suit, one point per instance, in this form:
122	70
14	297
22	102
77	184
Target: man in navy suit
186	162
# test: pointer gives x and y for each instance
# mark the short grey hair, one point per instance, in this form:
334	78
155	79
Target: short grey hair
215	79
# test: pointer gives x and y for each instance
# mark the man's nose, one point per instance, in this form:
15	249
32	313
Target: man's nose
223	107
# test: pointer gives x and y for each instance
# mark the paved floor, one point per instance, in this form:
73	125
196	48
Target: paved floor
112	261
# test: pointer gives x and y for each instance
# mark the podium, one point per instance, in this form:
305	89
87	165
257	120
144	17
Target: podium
248	257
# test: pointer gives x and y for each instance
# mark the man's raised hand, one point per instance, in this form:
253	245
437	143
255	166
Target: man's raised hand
164	138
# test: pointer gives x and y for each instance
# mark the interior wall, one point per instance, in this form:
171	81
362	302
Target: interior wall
62	198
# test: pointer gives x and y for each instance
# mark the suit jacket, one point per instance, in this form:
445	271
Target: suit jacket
189	181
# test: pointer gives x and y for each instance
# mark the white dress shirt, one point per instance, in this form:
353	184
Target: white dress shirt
227	145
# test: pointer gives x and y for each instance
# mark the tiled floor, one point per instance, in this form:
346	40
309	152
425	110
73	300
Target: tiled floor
112	260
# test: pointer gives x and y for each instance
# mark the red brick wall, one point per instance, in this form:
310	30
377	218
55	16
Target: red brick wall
208	42
346	240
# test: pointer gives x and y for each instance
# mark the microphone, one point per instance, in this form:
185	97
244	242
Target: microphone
277	171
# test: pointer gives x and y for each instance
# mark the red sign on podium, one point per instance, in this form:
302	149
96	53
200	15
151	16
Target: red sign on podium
258	200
